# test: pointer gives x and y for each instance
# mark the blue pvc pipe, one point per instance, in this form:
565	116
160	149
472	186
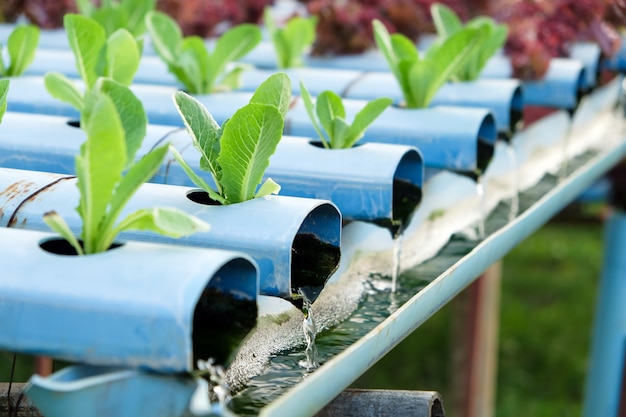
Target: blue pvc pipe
315	80
503	98
28	94
562	86
152	70
269	229
604	380
131	306
590	55
448	137
79	391
360	181
50	143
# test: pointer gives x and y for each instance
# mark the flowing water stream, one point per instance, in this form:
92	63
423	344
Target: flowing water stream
310	332
512	155
480	191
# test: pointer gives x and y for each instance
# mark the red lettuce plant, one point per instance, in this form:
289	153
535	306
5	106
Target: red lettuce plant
543	29
210	18
43	13
345	27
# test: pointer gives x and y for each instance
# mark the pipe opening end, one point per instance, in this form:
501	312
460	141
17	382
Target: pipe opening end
436	410
225	313
581	89
516	114
407	190
315	253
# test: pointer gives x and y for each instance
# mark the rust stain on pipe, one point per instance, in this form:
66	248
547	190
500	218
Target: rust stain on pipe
24	188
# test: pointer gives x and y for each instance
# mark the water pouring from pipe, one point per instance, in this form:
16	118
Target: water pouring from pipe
310	331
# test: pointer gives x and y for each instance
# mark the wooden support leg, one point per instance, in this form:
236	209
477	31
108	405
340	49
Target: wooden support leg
43	365
475	345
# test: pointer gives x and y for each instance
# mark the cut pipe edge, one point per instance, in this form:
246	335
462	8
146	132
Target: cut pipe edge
161	289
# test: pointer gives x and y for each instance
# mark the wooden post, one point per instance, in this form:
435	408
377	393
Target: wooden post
43	365
475	352
379	403
14	403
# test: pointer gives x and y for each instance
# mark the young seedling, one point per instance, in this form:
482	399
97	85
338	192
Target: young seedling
116	57
118	14
21	47
104	188
4	91
420	77
448	23
201	71
292	40
237	153
331	118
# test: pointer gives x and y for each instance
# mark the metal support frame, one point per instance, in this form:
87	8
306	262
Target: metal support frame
605	378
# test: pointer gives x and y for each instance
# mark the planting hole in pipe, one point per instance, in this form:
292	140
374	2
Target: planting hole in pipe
74	123
315	254
224	313
319	144
202	197
60	246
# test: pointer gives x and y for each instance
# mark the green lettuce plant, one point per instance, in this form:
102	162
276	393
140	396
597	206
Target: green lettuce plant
4	91
118	14
116	57
237	153
448	24
292	40
328	116
108	175
201	71
21	46
420	76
